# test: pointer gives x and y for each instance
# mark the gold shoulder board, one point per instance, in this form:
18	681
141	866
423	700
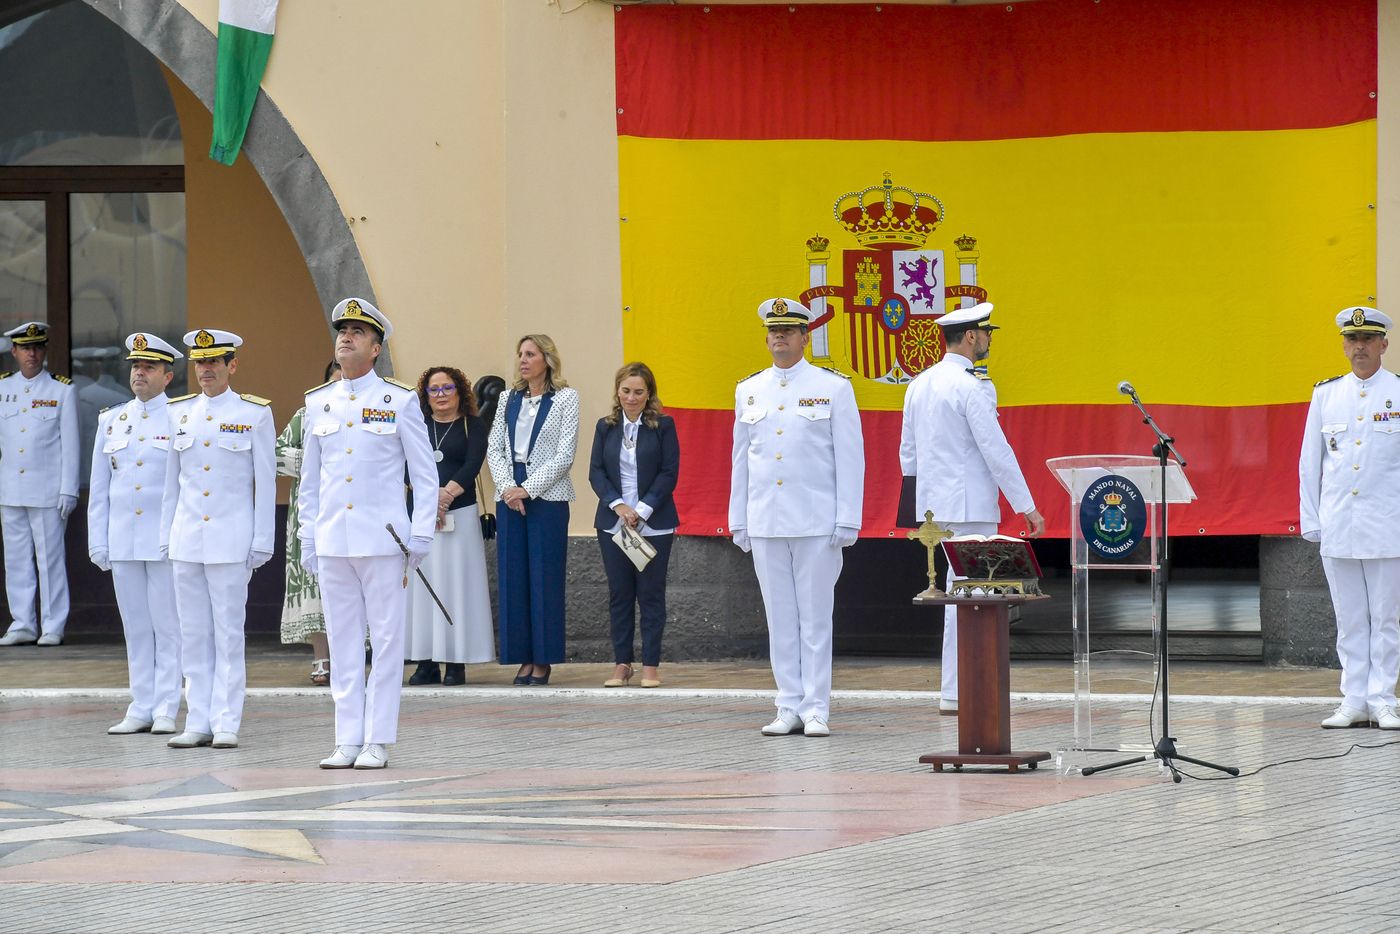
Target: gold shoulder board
837	372
753	374
1324	382
63	379
256	400
7	374
399	383
322	386
183	398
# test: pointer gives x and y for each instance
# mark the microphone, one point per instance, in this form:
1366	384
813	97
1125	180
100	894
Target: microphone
1126	388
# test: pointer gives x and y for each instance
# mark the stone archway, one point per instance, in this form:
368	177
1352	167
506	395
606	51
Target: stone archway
293	178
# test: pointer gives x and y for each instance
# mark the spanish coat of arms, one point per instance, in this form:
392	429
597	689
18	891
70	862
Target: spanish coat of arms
894	286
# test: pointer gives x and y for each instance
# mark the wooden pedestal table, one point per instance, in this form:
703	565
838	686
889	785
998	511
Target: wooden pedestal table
984	683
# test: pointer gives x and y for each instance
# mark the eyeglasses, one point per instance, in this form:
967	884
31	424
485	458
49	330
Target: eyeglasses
446	390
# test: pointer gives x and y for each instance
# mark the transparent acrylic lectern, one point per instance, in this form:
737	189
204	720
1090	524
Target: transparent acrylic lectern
1104	658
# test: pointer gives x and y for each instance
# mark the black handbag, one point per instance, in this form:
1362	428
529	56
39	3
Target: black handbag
488	520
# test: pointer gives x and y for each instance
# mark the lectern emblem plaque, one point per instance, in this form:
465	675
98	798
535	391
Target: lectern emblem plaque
1113	517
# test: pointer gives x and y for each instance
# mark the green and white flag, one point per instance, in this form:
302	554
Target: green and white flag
245	41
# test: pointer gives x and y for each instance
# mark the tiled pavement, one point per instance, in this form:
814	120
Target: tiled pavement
540	810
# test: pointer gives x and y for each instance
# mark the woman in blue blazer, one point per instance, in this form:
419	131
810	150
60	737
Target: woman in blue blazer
633	469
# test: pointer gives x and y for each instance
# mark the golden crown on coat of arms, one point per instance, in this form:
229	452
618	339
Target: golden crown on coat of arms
965	243
897	215
1113	499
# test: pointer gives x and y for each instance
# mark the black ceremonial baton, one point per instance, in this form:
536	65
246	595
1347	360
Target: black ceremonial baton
419	571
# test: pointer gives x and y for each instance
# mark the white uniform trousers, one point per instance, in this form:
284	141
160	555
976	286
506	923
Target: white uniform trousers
360	594
1366	598
798	579
34	535
948	665
146	598
212	600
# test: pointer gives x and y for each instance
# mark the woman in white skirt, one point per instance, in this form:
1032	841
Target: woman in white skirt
456	566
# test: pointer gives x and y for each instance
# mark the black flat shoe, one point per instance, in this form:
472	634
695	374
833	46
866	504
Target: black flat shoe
427	673
523	675
454	674
536	680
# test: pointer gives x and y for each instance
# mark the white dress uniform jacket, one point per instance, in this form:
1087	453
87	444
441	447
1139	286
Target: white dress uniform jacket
39	442
222	460
953	444
127	483
799	456
126	487
358	436
1349	469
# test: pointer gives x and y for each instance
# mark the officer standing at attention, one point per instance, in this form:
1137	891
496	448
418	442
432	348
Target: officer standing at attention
39	448
360	434
952	443
795	496
1348	473
124	498
216	527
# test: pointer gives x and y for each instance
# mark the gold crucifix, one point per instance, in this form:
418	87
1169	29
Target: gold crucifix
931	534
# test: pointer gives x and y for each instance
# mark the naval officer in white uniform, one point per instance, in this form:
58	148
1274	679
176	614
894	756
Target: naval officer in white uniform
953	445
127	483
1348	474
795	496
360	434
216	526
39	452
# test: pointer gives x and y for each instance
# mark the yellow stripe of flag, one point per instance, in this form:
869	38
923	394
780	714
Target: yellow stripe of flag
1204	266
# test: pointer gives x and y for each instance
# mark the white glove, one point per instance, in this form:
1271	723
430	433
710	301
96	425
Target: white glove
257	559
418	548
308	558
99	558
844	536
741	538
1312	535
66	503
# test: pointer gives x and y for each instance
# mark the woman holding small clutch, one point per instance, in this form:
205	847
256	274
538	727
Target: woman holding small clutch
635	462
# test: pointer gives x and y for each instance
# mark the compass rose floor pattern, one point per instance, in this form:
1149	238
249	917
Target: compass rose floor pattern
512	811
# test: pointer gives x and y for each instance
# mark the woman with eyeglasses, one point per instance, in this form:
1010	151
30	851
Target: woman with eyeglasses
456	566
530	452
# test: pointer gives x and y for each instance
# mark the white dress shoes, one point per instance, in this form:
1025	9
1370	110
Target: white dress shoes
130	725
816	726
787	722
49	638
225	741
342	758
163	725
1386	718
1344	717
18	637
373	756
189	740
948	708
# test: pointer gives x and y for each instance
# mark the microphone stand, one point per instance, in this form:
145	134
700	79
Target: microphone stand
1164	749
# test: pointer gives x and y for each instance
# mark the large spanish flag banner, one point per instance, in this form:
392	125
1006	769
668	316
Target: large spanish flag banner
1177	194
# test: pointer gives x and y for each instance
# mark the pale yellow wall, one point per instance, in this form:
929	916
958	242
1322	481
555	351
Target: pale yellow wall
478	140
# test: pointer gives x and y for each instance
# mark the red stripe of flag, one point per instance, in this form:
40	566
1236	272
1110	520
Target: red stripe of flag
993	71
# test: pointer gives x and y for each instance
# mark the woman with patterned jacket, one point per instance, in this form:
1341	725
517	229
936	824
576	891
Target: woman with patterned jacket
530	452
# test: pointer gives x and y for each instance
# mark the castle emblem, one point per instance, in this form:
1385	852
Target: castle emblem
895	285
